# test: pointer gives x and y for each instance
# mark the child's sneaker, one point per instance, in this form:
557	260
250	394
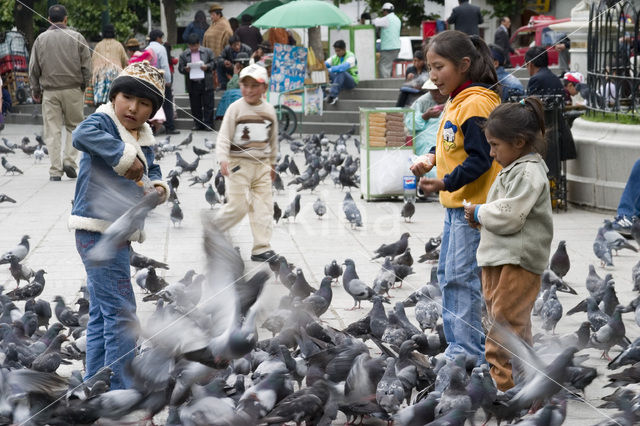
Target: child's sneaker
622	224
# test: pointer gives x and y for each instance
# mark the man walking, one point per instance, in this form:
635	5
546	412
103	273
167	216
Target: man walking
389	25
466	17
156	44
501	39
59	71
200	88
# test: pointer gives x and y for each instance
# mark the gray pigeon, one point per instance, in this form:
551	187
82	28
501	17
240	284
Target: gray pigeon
333	270
292	209
394	249
385	279
389	392
19	252
6	199
176	214
455	394
602	249
211	197
551	311
10	168
408	210
428	310
319	207
359	291
613	333
560	262
351	211
615	241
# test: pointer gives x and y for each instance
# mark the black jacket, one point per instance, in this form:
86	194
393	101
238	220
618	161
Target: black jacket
249	35
501	39
544	82
229	54
206	56
466	18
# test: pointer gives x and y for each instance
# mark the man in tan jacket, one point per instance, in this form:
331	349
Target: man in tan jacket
217	35
59	71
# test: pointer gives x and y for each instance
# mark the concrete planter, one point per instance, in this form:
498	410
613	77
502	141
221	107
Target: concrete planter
606	153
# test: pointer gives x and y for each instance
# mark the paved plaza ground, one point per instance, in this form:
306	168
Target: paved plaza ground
43	207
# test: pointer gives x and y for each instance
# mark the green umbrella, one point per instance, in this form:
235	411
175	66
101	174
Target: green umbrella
258	9
303	14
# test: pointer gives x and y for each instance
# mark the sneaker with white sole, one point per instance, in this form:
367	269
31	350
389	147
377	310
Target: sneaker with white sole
333	101
622	224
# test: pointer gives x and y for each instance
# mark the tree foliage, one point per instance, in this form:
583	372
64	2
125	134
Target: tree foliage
511	8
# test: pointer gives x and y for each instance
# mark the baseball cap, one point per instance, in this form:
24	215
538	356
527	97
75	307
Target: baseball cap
256	72
428	85
387	6
574	77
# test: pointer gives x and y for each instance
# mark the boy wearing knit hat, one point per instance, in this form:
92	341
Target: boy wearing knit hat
116	143
246	149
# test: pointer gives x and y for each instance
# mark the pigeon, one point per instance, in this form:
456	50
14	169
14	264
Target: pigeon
359	291
33	289
19	252
560	262
333	270
351	211
202	179
19	271
389	391
431	249
41	308
393	249
209	143
293	168
277	212
140	261
122	228
346	180
385	279
6	149
186	141
454	397
199	151
614	239
211	197
293	209
10	168
6	199
319	207
408	210
602	250
377	318
50	359
428	311
301	287
9	144
549	278
277	183
319	301
611	334
551	311
284	165
176	214
404	259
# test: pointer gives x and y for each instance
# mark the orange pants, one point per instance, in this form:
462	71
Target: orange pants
509	293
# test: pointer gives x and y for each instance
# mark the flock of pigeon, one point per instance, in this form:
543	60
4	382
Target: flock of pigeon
216	352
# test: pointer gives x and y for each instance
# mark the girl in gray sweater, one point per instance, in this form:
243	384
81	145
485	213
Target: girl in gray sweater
516	226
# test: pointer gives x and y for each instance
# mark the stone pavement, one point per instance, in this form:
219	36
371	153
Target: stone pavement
43	207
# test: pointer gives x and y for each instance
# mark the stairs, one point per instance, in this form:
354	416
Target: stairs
336	119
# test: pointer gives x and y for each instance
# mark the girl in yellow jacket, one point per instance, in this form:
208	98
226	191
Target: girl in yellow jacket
462	68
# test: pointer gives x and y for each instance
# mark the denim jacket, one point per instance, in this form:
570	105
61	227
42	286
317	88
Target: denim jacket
108	151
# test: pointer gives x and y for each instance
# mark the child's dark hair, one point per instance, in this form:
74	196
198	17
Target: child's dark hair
516	121
455	45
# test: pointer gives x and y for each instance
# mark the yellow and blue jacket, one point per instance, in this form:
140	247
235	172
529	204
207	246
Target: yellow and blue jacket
462	150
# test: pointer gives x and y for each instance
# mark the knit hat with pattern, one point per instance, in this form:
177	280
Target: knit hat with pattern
142	80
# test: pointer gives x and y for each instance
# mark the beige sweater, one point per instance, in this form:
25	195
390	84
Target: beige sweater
249	132
517	223
60	59
108	53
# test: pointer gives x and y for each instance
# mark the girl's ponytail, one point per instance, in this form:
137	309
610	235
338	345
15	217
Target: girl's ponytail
482	69
516	121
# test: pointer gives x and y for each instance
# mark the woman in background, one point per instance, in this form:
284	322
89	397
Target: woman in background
109	58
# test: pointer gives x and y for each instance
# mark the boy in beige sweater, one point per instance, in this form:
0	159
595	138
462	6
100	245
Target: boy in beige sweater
246	150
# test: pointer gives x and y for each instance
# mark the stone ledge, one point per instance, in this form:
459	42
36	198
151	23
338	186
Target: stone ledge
606	153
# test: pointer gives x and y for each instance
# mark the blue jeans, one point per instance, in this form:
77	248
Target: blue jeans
630	200
340	81
112	312
459	278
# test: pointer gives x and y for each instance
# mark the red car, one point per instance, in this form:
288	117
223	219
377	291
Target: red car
537	33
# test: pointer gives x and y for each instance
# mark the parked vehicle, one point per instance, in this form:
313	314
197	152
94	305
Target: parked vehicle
536	33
